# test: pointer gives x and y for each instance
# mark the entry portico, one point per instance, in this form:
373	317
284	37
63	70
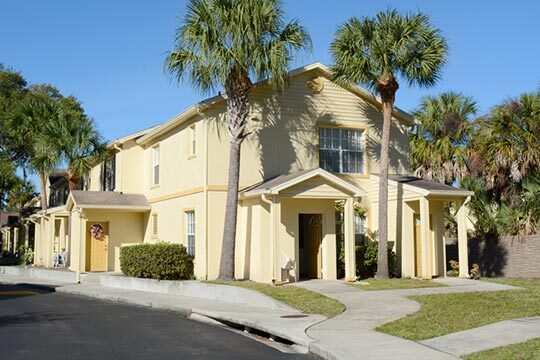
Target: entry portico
101	223
294	216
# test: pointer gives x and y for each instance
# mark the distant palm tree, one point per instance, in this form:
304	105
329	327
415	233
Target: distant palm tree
438	142
505	147
74	137
377	52
228	43
28	121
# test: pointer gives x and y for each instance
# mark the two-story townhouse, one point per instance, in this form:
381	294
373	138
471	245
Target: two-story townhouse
310	146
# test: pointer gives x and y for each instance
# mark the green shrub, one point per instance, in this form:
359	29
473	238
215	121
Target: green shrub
366	260
162	261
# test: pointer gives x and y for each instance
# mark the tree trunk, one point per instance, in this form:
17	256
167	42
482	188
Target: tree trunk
237	111
226	267
73	181
387	88
43	185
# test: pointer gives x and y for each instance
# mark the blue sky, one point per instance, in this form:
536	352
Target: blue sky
110	53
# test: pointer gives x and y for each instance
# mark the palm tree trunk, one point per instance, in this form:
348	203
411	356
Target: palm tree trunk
237	112
73	181
43	186
226	267
387	87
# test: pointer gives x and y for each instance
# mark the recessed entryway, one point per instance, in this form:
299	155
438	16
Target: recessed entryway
310	245
97	246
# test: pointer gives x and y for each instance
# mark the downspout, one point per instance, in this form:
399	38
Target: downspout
272	236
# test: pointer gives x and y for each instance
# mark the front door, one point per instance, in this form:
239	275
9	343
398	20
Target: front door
310	245
97	246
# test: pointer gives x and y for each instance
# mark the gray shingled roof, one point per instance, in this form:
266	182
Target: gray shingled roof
421	183
108	198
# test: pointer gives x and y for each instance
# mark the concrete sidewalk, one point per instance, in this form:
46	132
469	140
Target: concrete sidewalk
487	337
351	334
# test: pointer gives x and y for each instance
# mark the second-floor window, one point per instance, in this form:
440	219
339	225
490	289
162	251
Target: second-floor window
341	150
108	174
155	165
192	140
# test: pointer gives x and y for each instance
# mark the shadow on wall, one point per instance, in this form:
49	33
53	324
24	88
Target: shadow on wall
489	253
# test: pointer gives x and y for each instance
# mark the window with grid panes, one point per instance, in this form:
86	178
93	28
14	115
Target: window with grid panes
341	150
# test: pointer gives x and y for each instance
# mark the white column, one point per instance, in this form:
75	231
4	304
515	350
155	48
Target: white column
463	256
350	253
275	213
425	242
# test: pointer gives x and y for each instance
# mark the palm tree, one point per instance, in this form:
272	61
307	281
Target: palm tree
377	52
228	43
28	121
74	137
505	147
438	141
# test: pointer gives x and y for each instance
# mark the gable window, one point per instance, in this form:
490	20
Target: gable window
341	150
155	165
190	232
154	225
192	140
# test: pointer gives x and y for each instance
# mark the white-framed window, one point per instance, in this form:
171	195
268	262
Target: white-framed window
154	225
192	140
341	150
190	232
155	165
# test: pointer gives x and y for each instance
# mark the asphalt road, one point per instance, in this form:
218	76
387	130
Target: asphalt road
38	324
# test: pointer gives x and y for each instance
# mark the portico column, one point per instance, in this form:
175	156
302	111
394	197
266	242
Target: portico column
425	238
463	255
275	214
350	254
50	241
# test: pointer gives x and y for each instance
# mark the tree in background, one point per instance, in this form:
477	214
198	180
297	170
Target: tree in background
230	43
439	139
75	140
28	120
377	52
505	163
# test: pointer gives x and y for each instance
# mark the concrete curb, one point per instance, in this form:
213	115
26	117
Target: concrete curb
38	273
196	289
267	322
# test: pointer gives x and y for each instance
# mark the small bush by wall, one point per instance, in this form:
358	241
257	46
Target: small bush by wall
367	259
162	261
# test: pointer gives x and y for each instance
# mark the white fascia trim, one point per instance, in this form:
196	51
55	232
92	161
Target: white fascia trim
325	174
115	207
356	192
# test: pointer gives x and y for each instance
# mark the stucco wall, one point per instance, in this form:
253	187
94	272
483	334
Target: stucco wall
507	256
125	228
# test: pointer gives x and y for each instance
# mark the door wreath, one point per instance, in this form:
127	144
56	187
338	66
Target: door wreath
97	232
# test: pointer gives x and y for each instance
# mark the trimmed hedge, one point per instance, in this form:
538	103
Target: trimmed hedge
161	261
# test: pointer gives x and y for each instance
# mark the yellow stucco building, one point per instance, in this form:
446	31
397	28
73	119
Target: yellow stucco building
311	145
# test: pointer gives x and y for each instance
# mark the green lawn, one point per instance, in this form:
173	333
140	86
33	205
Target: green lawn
389	284
306	301
443	314
529	350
